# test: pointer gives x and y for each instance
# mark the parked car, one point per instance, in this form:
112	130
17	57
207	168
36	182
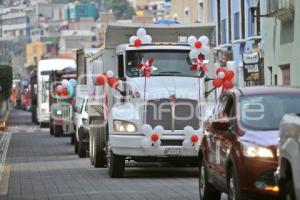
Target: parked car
288	174
82	130
238	153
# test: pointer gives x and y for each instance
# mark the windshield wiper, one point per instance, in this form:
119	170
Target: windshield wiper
168	73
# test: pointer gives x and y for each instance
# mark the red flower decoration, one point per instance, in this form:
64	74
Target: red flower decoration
146	67
224	78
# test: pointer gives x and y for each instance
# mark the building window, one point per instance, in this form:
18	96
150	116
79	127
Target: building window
270	75
223	31
243	18
251	24
236	25
286	74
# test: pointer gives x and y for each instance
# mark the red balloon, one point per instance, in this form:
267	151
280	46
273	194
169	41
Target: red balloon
138	42
229	74
198	45
227	84
101	79
64	91
221	69
154	137
194	138
113	82
218	82
59	89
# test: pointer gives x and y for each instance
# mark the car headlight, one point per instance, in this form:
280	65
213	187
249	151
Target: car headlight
123	126
254	151
58	112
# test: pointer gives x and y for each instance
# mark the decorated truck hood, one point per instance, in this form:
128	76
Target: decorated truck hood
161	87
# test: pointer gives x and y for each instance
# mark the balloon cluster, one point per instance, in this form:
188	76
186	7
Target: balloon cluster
224	78
147	67
108	78
199	46
152	138
192	139
140	38
67	88
199	65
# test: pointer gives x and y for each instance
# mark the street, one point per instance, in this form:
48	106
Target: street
39	166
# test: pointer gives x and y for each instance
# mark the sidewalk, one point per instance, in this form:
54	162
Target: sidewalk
3	120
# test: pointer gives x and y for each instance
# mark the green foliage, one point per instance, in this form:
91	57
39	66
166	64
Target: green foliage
6	80
122	9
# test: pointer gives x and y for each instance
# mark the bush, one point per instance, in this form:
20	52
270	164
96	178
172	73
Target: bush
6	80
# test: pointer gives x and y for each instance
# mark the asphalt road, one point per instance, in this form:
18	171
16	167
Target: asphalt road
35	165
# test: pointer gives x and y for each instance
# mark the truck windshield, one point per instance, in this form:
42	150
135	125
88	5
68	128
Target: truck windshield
166	62
266	112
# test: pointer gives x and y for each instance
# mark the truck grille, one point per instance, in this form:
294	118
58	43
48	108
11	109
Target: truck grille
159	112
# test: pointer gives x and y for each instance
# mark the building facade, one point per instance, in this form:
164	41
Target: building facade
237	40
282	42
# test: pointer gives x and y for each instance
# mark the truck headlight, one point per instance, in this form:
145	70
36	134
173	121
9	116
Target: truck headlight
58	112
123	126
254	151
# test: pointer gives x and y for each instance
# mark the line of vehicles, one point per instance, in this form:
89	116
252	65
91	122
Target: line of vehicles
118	113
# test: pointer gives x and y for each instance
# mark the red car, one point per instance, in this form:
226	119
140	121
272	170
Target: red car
238	154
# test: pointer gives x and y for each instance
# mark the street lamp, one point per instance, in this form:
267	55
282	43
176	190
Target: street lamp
253	6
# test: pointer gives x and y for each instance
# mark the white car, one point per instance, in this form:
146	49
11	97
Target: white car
82	129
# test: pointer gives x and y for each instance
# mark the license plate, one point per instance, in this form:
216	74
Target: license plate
172	152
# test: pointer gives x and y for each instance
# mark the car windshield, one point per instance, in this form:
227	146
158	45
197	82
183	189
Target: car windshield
266	112
166	62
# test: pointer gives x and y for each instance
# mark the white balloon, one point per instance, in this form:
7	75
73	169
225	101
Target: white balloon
194	54
157	143
187	144
204	40
141	32
221	75
147	129
159	130
191	40
147	39
205	50
146	143
132	39
65	82
188	130
110	74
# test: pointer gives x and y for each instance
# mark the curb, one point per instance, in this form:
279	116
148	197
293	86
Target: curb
3	121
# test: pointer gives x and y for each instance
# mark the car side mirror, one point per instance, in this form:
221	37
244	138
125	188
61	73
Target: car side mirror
221	124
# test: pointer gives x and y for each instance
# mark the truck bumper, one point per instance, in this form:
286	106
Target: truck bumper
130	145
44	118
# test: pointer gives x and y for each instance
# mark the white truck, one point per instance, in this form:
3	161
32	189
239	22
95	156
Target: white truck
156	118
45	68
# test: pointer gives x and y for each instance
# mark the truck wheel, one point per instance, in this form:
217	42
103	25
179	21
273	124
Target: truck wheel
99	143
116	166
206	190
72	138
33	115
81	146
91	148
51	130
289	192
58	131
76	146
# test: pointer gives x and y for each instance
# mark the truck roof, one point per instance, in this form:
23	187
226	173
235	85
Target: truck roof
158	46
117	33
55	64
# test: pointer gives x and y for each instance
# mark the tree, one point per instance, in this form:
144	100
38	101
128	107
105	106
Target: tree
122	9
5	80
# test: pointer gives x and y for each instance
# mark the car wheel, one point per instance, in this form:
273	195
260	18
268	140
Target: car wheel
99	143
76	146
233	190
289	192
81	146
116	165
206	190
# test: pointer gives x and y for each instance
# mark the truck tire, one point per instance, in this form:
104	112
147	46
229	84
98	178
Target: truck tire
76	146
91	153
33	114
51	129
72	138
289	192
99	143
81	145
58	131
116	165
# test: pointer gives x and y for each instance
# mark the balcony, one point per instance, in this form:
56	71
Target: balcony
281	9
